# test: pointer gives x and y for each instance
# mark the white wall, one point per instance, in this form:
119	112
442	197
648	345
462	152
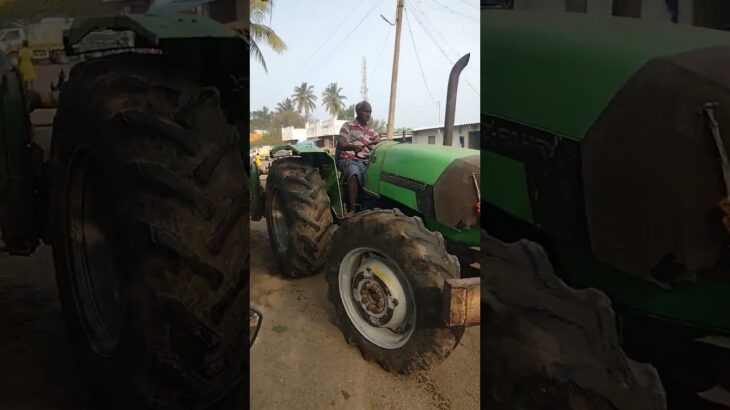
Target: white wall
291	133
421	137
324	127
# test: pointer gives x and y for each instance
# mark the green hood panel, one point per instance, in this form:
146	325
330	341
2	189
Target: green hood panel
557	72
418	162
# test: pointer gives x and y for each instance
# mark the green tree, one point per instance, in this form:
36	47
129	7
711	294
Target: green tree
285	106
304	99
378	126
402	130
348	114
281	120
261	119
332	100
259	33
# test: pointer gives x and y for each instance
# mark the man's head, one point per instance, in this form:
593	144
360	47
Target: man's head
363	112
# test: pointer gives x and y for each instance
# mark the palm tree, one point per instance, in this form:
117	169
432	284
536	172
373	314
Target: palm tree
260	33
285	106
332	101
304	99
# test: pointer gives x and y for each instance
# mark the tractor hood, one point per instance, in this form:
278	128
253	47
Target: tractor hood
439	182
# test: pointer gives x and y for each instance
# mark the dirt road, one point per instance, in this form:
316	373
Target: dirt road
300	359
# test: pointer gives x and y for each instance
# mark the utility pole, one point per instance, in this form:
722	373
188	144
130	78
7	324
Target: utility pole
394	80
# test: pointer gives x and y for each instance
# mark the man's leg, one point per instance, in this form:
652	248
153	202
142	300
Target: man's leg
352	194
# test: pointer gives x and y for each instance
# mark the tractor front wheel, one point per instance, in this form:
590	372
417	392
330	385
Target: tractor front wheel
386	277
298	217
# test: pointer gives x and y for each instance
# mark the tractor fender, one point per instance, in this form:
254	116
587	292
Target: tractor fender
321	160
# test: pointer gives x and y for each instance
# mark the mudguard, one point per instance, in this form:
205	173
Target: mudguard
323	161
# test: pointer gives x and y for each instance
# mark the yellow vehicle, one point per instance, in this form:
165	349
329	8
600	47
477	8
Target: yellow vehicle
263	161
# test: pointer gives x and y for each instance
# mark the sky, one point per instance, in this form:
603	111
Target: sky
327	39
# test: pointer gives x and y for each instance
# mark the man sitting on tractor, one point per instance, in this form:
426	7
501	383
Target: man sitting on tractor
352	150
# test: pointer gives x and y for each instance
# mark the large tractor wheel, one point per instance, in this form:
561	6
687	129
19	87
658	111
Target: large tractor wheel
149	235
298	217
386	275
548	346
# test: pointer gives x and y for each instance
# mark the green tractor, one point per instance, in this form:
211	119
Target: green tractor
142	201
605	143
402	272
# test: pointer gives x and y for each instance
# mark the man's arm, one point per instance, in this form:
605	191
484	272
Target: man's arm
344	145
342	142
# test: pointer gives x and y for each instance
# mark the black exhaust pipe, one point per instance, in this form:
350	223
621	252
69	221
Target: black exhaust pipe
451	99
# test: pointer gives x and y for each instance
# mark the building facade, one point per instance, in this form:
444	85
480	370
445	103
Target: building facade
465	136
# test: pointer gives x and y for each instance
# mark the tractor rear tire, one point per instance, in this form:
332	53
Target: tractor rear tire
548	346
298	217
149	235
420	258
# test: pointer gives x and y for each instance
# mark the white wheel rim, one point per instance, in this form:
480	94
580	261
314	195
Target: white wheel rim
377	298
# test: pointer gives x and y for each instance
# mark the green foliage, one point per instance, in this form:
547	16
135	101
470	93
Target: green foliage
332	100
378	125
261	119
402	130
259	33
348	114
285	106
273	121
304	99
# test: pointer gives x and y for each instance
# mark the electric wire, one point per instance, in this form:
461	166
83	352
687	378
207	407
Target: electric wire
382	49
442	51
428	25
418	59
337	47
470	4
327	39
456	12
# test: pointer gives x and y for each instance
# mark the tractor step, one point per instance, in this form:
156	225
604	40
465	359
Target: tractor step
461	302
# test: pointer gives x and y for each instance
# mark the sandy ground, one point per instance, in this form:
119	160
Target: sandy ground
301	360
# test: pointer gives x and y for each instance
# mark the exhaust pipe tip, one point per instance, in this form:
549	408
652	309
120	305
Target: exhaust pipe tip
451	98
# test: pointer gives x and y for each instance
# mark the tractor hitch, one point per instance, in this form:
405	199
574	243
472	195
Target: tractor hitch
461	302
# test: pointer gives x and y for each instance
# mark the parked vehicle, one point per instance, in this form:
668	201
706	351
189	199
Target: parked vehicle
45	40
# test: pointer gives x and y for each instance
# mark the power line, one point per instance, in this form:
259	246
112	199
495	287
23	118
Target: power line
470	4
324	60
327	39
456	12
382	49
418	58
435	30
442	51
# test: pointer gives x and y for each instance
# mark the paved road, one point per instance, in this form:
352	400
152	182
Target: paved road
300	359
